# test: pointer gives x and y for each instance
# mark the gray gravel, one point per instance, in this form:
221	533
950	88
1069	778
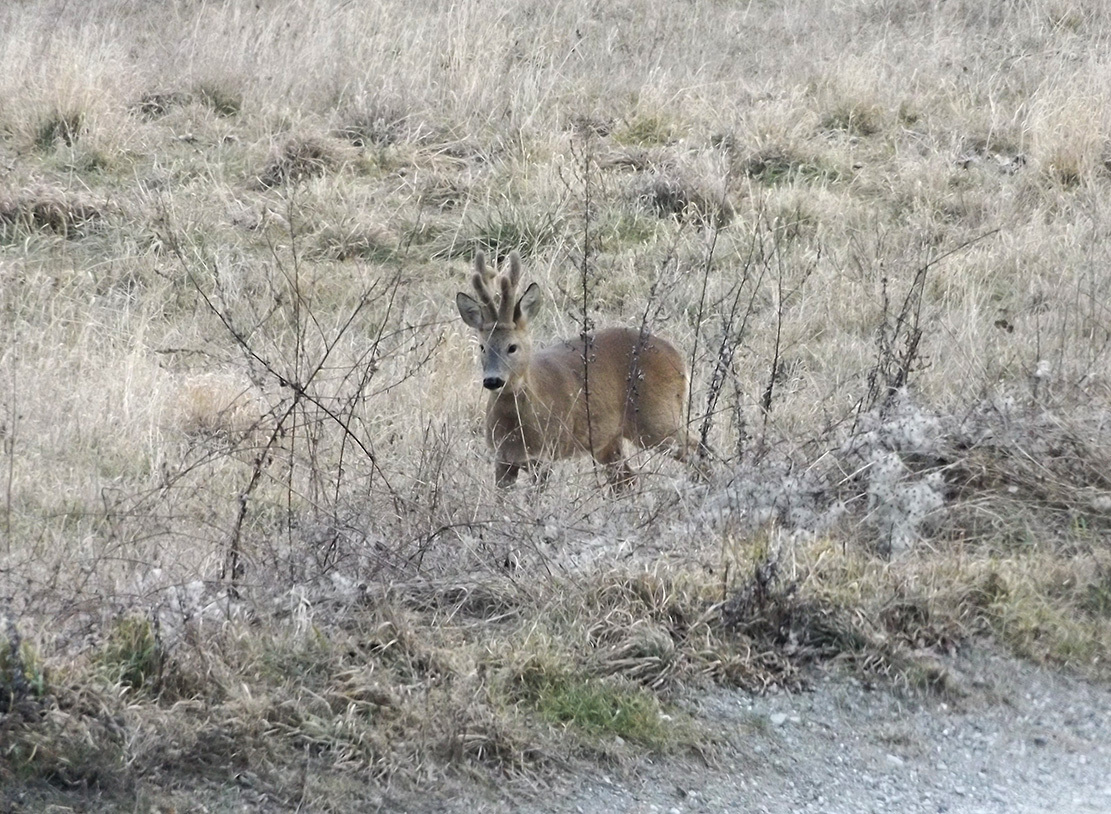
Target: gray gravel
1013	739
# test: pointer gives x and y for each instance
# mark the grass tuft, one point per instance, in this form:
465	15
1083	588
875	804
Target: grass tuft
23	677
646	130
155	104
499	230
133	655
51	210
674	196
354	240
70	743
779	166
601	709
298	159
217	96
379	125
59	127
855	119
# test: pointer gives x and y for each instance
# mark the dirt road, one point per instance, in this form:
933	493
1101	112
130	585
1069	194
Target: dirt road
1011	738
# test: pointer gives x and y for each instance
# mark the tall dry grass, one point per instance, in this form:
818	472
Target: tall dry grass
234	391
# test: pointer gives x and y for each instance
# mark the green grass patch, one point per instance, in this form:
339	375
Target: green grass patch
1096	600
499	231
133	655
1035	626
647	130
599	708
628	228
58	126
778	166
22	673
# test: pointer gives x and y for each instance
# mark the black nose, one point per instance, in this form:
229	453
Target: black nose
493	382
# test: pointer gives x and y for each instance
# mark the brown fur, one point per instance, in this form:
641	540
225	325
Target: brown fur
539	409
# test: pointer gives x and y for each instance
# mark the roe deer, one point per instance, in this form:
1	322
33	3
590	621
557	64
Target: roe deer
581	395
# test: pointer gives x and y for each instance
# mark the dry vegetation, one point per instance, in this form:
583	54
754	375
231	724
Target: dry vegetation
249	546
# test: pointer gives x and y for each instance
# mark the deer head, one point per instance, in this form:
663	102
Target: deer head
501	324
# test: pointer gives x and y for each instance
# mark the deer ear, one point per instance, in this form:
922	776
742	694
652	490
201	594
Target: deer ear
474	315
529	304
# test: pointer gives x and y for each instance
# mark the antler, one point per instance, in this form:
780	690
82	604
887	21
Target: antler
509	288
481	281
503	310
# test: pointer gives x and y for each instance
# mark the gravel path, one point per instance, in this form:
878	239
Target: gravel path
1013	739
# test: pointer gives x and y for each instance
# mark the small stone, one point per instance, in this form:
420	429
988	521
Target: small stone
895	760
778	718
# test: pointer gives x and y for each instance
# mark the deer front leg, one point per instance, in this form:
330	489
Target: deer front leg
540	471
695	455
620	476
505	474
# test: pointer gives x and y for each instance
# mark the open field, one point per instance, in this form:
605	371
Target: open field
248	528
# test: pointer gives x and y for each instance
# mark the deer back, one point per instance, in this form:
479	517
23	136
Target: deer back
586	395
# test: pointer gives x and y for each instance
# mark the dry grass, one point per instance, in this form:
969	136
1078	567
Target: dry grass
47	210
300	159
246	514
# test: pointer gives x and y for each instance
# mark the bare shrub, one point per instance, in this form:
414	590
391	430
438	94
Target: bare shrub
303	423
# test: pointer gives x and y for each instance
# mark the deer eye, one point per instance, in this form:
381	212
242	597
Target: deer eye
481	347
512	348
